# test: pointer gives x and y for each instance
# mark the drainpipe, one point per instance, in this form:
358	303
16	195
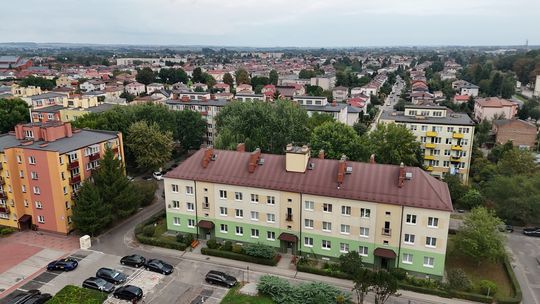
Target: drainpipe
196	208
299	245
400	230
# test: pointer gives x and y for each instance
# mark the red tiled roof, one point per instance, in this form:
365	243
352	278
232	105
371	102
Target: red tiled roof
494	102
368	182
461	97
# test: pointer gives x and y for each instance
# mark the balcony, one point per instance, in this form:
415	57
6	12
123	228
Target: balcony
455	159
457	135
4	209
430	168
431	134
2	181
430	146
457	148
3	195
429	157
1	166
94	156
74	164
387	231
75	179
288	217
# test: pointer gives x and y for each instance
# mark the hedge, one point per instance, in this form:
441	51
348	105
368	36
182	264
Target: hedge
472	296
71	294
426	290
315	270
240	257
160	242
518	296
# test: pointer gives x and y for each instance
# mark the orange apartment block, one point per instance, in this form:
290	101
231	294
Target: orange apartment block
42	166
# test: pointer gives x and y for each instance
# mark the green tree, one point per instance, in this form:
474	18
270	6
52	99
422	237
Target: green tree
197	75
471	199
482	132
145	76
228	79
337	139
151	147
384	285
242	77
274	77
191	129
479	237
314	90
360	128
209	80
43	83
318	119
351	263
455	186
394	144
516	162
363	280
12	112
91	215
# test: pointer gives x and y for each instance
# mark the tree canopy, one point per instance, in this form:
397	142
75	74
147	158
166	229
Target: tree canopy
12	112
394	144
43	83
242	77
151	147
337	139
145	76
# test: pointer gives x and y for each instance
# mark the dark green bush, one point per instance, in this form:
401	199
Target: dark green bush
305	267
472	296
188	238
149	231
71	294
160	242
213	244
237	249
458	280
6	230
487	287
426	290
147	191
180	238
227	246
260	250
518	296
399	274
240	257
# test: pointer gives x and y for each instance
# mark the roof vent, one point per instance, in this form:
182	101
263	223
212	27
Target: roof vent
311	166
408	175
348	170
213	157
260	162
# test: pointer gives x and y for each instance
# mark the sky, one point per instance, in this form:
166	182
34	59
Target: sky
273	23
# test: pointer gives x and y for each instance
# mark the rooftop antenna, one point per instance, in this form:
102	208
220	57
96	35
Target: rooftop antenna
526	45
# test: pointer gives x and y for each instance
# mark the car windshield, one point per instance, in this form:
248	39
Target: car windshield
115	274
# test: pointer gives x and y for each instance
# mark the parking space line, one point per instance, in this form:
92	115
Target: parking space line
214	286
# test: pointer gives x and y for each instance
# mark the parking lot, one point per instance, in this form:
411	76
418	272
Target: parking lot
185	285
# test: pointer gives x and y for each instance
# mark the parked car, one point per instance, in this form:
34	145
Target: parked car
128	292
147	178
130	178
133	260
39	298
157	175
220	278
532	231
23	297
111	275
67	264
98	284
506	228
158	266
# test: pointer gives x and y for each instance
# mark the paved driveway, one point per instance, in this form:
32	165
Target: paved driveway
526	263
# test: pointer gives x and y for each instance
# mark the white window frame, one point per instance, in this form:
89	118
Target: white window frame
411	219
224	228
409	239
326	245
327	226
327	208
344	247
407	258
309	205
270	217
191	223
256	218
239	230
310	221
432	220
175	204
308	241
223	194
365	212
363	251
176	221
38	204
270	235
31	160
254	198
255	235
429	262
270	200
174	188
366	232
189	190
346	210
41	219
431	242
238	196
239	213
221	211
190	206
347	229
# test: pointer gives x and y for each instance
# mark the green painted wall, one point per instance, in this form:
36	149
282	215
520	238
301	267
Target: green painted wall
183	227
418	262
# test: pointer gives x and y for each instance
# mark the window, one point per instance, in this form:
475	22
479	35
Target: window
36	190
239	230
26	203
32	160
41	219
270	217
65	190
271	235
239	213
91	150
254	198
411	219
364	232
223	211
176	204
409	239
365	213
34	175
19	159
363	250
254	215
255	233
174	188
21	174
191	223
429	262
29	134
271	200
206	204
433	222
189	190
407	258
308	241
431	241
222	194
387	213
190	206
309	205
327	207
224	228
38	205
176	221
343	247
327	226
73	157
308	223
345	229
238	196
67	205
326	245
23	189
346	210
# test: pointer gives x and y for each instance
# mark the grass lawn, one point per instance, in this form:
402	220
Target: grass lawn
234	297
486	271
71	294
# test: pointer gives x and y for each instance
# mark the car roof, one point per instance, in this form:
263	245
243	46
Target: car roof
216	272
131	288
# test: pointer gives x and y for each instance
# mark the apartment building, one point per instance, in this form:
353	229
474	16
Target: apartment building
42	166
339	111
446	137
394	216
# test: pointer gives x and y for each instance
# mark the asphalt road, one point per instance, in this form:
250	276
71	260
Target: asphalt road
526	263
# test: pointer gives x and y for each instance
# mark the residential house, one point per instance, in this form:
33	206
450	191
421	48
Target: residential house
135	88
340	93
200	86
151	88
46	99
246	97
222	87
244	88
459	99
494	108
326	82
92	85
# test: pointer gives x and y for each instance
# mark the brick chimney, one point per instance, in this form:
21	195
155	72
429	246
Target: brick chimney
321	154
241	147
334	103
372	159
212	97
207	156
341	169
401	178
253	159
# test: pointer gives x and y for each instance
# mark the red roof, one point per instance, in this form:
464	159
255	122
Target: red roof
368	182
356	102
461	97
494	102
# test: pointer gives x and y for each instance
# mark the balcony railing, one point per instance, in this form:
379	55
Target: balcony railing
75	179
431	134
457	135
74	164
455	159
430	146
430	168
457	148
4	209
387	231
429	157
288	217
94	156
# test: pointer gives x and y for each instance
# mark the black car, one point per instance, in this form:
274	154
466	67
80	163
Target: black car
23	297
133	260
98	284
39	298
220	278
506	228
111	275
158	266
128	292
532	231
63	264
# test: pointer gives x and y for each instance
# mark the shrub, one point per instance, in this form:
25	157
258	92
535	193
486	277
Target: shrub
472	297
487	287
260	250
212	244
227	246
146	191
350	262
237	249
7	230
516	299
306	267
280	290
399	274
160	242
458	280
188	238
436	292
180	238
240	257
149	230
